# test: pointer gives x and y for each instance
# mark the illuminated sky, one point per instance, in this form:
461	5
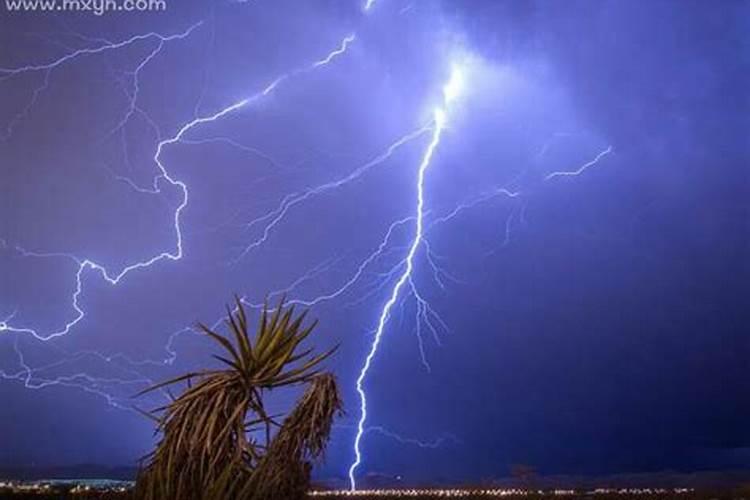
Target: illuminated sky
552	256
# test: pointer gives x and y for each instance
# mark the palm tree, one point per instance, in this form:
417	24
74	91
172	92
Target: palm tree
218	441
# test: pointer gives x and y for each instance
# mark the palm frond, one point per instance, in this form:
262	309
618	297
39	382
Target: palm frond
205	452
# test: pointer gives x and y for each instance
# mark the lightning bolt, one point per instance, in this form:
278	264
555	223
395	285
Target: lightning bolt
450	92
389	263
163	175
507	192
104	46
432	444
34	378
429	444
344	45
581	169
379	252
276	216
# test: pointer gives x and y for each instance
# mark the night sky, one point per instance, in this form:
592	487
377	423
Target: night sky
579	300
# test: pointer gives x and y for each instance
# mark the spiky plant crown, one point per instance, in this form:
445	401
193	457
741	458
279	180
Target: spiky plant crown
207	449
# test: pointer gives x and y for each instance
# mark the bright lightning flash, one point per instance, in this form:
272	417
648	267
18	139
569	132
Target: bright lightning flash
450	92
163	178
398	276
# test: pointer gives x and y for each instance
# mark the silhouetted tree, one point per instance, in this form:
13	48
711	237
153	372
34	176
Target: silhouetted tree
218	441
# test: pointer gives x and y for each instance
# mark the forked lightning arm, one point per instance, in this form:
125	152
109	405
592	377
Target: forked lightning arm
399	277
451	91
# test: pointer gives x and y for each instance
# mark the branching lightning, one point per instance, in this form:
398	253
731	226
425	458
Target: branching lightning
273	218
390	263
450	92
581	169
163	178
431	444
104	46
439	441
349	282
163	175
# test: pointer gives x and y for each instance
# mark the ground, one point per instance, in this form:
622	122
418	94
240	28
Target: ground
736	494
